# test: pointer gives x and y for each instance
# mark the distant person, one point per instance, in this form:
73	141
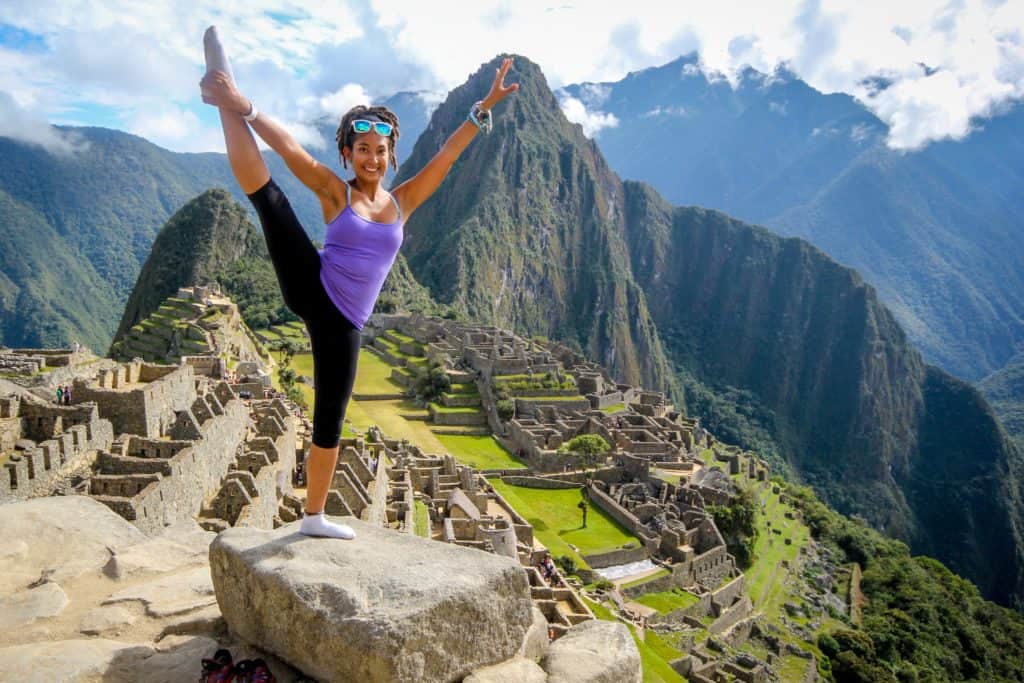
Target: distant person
60	395
67	395
333	291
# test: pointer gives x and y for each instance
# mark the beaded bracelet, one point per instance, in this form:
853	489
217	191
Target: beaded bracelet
480	117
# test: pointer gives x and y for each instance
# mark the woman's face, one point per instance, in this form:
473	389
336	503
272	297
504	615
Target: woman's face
369	156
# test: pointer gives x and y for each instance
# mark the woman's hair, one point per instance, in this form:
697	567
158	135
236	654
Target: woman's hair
346	136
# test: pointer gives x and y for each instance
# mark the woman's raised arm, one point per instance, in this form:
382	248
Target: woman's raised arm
220	91
418	189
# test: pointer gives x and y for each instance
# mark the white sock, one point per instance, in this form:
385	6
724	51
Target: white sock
216	55
317	525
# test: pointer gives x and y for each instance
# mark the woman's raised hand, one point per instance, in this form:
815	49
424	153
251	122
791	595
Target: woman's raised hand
499	90
219	90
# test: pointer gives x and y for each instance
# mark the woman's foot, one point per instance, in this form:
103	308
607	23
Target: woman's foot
317	525
216	55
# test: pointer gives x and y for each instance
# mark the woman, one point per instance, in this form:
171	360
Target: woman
334	291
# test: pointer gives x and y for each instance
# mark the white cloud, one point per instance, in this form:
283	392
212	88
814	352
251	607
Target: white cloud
690	69
594	94
778	107
32	127
666	111
336	103
293	55
592	121
860	132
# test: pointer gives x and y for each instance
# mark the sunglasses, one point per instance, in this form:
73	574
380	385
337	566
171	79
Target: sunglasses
364	126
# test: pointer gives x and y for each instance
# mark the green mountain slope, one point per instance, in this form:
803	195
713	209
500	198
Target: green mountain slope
769	336
200	241
1004	389
44	288
937	231
534	188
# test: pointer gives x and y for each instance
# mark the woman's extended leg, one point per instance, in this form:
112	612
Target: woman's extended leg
247	163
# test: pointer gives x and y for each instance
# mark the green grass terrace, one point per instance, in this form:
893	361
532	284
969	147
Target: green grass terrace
557	522
479	452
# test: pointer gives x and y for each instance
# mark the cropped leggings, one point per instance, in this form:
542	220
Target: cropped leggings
333	337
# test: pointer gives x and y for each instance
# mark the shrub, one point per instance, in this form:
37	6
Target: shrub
429	385
586	444
566	563
506	408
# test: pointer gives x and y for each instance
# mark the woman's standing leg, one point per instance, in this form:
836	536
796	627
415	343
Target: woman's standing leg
335	344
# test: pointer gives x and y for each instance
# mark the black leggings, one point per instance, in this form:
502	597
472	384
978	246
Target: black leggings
333	337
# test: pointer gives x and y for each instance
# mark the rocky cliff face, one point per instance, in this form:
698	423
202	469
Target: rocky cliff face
533	231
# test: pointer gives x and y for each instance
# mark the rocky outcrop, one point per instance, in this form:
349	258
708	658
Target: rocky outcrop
351	610
594	652
58	539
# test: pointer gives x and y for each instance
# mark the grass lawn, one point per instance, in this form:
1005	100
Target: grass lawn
614	408
387	415
668	601
404	338
462	388
373	376
480	452
556	520
422	519
456	409
766	577
655	667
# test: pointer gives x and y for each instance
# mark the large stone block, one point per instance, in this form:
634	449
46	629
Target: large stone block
383	607
594	651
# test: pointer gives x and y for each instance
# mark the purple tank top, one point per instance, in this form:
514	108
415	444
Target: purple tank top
357	256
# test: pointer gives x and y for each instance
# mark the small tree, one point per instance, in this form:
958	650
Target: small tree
506	408
431	383
589	449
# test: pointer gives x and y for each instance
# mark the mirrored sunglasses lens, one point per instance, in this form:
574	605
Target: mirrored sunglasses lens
361	126
382	128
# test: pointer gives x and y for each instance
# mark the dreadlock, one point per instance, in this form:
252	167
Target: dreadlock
346	136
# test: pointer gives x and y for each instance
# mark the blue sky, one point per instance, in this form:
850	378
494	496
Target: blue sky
135	66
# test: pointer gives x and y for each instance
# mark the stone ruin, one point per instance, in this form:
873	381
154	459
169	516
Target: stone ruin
197	321
647	435
42	444
27	362
158	444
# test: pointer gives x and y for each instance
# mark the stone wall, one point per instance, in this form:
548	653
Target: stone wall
712	567
662	583
727	594
623	517
74	436
740	610
144	404
196	473
616	557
